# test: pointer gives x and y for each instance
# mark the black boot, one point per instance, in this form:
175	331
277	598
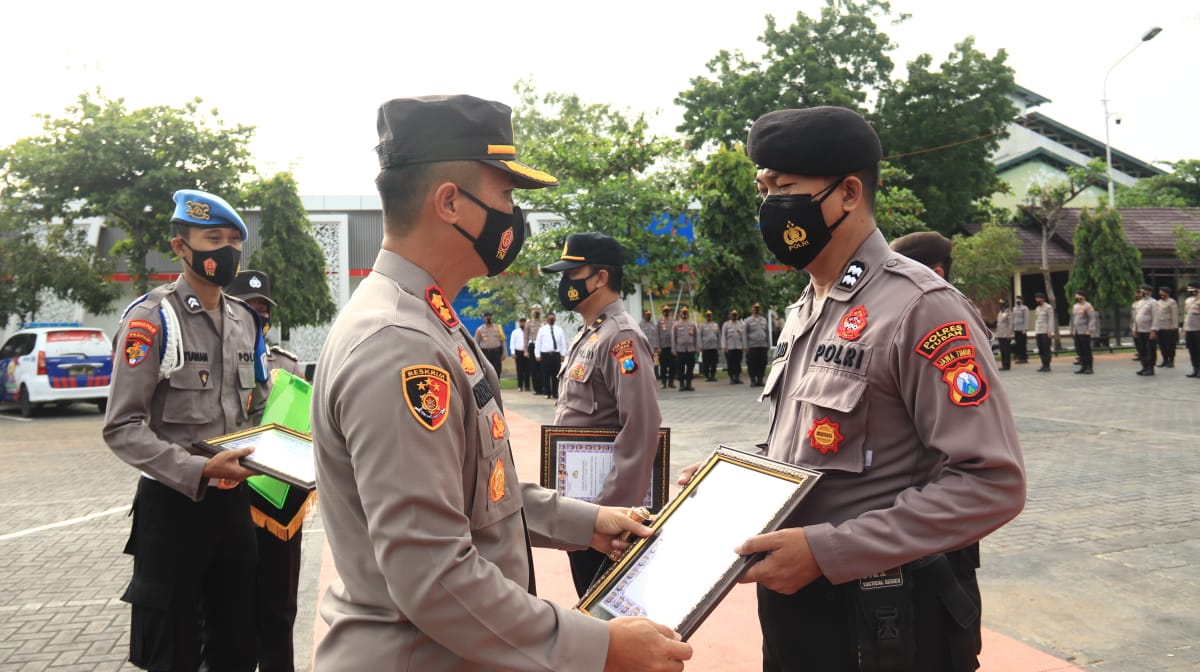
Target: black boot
1195	373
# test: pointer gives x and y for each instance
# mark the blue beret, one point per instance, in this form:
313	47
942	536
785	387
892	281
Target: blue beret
200	208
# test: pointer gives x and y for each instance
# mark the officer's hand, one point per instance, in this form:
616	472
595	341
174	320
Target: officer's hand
1154	335
225	465
789	564
613	525
641	644
685	476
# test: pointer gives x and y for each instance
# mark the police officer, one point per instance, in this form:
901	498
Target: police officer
710	347
1043	326
758	339
683	346
516	347
1020	328
1143	330
1085	324
532	327
873	384
1166	326
651	332
490	338
1004	334
1191	326
279	529
928	247
666	357
733	345
429	533
606	380
187	359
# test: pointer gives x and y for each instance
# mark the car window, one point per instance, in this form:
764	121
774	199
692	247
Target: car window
10	347
88	342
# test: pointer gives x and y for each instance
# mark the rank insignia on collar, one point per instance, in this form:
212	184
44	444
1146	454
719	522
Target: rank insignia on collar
825	435
853	323
192	303
499	429
496	482
443	310
427	390
467	361
967	385
850	277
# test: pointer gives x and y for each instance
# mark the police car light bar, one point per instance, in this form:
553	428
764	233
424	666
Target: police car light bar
39	325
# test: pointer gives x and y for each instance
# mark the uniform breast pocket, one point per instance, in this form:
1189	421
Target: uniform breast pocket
192	399
577	393
833	420
497	493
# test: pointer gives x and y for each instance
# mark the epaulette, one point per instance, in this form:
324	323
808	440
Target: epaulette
286	353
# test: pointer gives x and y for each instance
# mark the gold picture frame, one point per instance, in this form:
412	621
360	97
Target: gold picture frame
575	461
279	451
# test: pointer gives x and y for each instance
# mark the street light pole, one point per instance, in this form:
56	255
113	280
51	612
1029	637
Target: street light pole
1112	193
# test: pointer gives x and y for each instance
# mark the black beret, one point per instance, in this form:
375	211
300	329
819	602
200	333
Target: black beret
1194	285
1080	292
1166	289
589	247
815	141
432	129
1039	295
251	285
927	247
1147	287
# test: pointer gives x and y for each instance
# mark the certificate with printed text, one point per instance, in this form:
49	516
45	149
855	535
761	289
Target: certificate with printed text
278	451
577	460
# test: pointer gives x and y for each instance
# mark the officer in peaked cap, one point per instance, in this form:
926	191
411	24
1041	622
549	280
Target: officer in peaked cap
1191	326
189	357
608	379
1166	325
279	528
1142	326
430	535
880	365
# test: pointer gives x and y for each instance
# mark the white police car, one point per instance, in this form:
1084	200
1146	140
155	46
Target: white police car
55	363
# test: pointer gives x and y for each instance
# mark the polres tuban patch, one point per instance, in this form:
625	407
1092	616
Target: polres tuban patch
967	385
940	336
427	391
623	352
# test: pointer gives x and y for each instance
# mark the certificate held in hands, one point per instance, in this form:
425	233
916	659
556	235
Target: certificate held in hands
278	451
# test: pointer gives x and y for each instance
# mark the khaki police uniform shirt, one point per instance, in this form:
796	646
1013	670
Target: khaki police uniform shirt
683	336
666	329
489	338
1143	316
651	332
1084	321
756	332
733	335
421	502
710	336
1004	323
532	325
1043	319
1166	314
152	423
1191	314
890	390
608	381
1021	317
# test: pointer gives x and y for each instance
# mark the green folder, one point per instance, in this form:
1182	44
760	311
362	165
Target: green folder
287	405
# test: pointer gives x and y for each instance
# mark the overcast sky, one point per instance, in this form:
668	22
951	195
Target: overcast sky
310	76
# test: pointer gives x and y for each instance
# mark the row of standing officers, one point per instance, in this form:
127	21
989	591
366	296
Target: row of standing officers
675	343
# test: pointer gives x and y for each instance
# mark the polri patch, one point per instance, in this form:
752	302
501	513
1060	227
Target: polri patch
137	346
437	302
496	482
853	323
850	277
967	385
825	435
577	372
467	361
427	390
940	336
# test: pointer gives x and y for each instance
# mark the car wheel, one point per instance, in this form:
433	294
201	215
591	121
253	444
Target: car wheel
24	402
102	405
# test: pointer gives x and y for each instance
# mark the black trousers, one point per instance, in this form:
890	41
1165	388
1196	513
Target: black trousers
1192	339
1005	352
1022	346
584	565
685	366
535	370
522	370
495	356
733	363
1168	340
1146	350
1043	346
666	366
277	583
756	364
1083	347
550	363
193	580
708	363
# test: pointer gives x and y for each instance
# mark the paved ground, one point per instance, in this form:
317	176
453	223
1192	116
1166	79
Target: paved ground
1101	570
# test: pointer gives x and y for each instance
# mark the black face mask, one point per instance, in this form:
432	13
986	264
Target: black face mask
501	239
571	293
793	227
217	266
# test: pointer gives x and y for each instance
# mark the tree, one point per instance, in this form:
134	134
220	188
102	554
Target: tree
1107	268
837	59
102	160
1187	243
983	263
1178	189
898	211
290	255
949	161
614	177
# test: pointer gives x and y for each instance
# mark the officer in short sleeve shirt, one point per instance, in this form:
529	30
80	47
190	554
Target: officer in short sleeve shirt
607	381
187	360
883	380
710	346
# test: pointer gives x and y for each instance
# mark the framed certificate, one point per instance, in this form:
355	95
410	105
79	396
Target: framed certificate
576	460
679	574
278	451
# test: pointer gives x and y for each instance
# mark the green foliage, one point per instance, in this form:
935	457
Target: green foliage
837	59
614	177
983	263
1107	268
102	160
1178	189
949	159
1187	244
898	211
290	256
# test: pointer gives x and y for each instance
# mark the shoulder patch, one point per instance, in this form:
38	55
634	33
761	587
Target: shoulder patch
624	353
137	346
148	327
286	353
940	336
427	390
443	310
467	361
967	385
